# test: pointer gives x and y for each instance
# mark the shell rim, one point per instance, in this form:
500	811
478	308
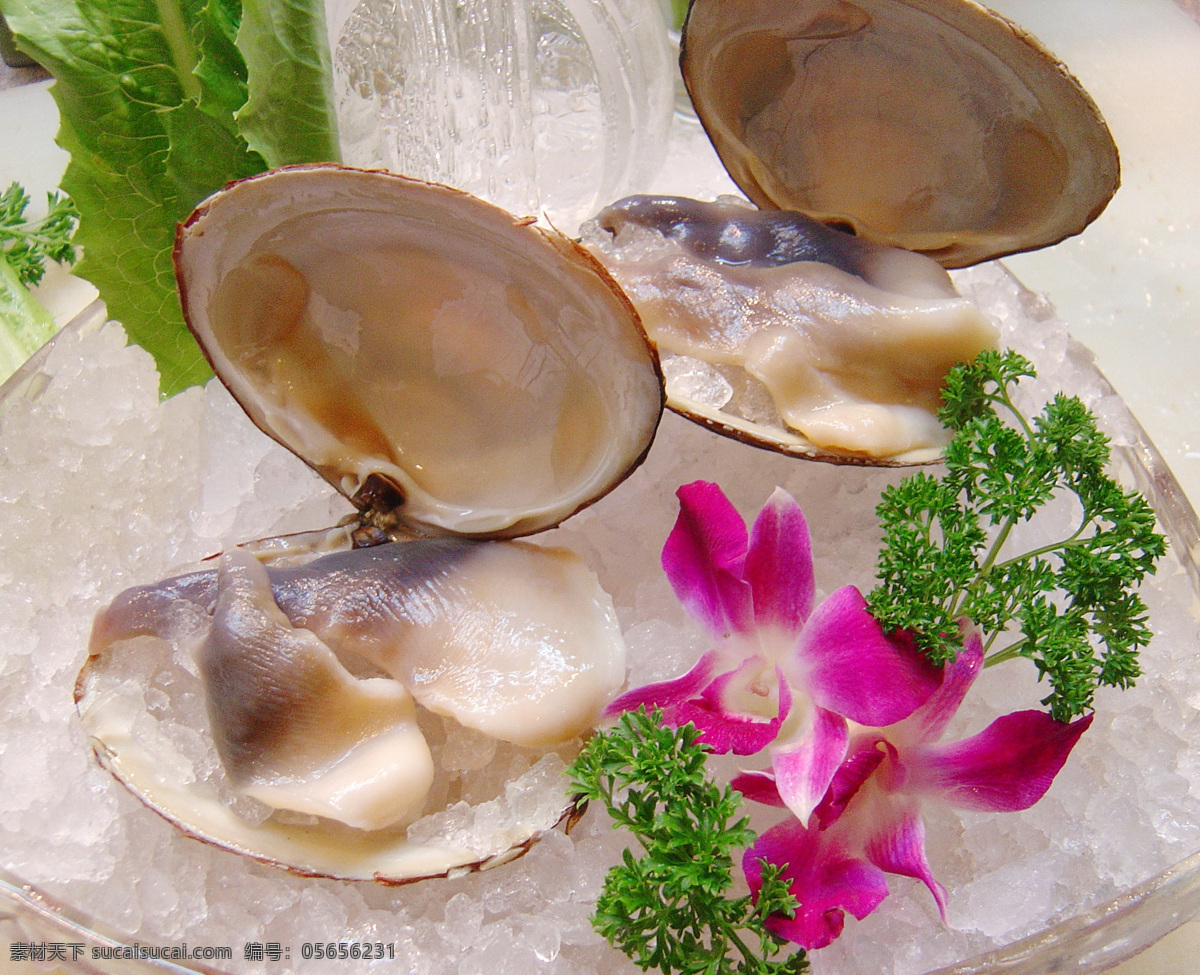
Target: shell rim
746	431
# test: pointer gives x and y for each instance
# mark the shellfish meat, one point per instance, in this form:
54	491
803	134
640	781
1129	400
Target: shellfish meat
851	340
514	640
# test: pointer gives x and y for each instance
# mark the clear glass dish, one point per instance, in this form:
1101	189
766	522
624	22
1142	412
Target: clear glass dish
49	898
1100	929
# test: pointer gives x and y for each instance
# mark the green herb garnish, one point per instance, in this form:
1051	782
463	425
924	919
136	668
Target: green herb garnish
668	909
25	247
27	244
947	549
679	9
947	553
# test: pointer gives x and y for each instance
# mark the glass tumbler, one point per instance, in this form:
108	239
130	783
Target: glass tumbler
554	107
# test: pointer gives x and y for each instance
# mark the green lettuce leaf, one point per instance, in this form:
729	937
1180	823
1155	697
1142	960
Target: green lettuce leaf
148	92
289	116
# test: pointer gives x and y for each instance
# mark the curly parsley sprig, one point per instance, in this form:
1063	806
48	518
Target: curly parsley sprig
27	244
947	554
668	908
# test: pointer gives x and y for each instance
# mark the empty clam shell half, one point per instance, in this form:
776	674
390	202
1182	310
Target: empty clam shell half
455	368
932	125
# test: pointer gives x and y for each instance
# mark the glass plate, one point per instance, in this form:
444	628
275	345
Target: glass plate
46	902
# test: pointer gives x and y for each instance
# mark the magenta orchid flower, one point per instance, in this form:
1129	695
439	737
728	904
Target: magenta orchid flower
781	674
869	821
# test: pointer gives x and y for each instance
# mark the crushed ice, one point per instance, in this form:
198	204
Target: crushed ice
105	487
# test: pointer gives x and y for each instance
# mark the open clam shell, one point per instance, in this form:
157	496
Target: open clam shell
932	125
930	130
464	377
392	713
449	366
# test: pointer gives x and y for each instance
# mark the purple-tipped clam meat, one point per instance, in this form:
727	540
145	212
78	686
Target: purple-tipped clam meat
513	641
790	333
293	727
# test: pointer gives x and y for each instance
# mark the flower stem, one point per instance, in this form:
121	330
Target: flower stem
1010	652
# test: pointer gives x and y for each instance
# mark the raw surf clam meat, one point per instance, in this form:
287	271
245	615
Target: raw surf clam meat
463	377
312	675
862	129
785	332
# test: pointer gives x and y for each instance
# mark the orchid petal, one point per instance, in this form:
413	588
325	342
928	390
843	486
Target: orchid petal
850	666
805	765
863	758
703	558
779	564
928	723
757	786
897	845
826	879
668	693
1006	767
726	728
725	732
